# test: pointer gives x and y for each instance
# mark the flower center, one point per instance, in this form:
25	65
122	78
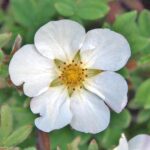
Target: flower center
73	75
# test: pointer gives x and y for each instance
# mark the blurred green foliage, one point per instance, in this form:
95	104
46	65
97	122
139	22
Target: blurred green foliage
8	136
24	17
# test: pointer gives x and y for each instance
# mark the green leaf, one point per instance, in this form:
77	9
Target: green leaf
25	113
118	123
131	31
21	12
57	138
121	22
64	9
143	116
22	15
21	21
30	148
110	137
1	56
91	10
93	145
138	43
4	70
122	120
6	122
124	72
145	59
144	23
2	15
4	39
9	148
77	19
142	97
135	32
18	136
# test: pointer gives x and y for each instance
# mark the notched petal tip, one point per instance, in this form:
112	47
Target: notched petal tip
65	37
111	50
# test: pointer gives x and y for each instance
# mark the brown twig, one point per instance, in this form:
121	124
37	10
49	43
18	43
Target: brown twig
133	4
16	45
43	141
115	9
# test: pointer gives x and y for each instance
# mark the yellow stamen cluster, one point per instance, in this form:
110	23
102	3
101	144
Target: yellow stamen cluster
73	75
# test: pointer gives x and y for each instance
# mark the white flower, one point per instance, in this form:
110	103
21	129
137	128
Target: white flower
69	74
139	142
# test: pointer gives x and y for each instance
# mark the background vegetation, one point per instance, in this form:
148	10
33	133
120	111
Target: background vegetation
21	19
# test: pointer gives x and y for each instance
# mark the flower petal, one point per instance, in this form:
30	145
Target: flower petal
54	108
59	39
123	144
140	142
90	114
105	50
111	87
29	67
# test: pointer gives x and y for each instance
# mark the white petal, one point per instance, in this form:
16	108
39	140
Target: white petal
123	144
90	114
34	70
140	142
59	39
54	108
111	87
106	50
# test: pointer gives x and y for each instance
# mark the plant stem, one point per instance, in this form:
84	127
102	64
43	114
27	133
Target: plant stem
43	141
